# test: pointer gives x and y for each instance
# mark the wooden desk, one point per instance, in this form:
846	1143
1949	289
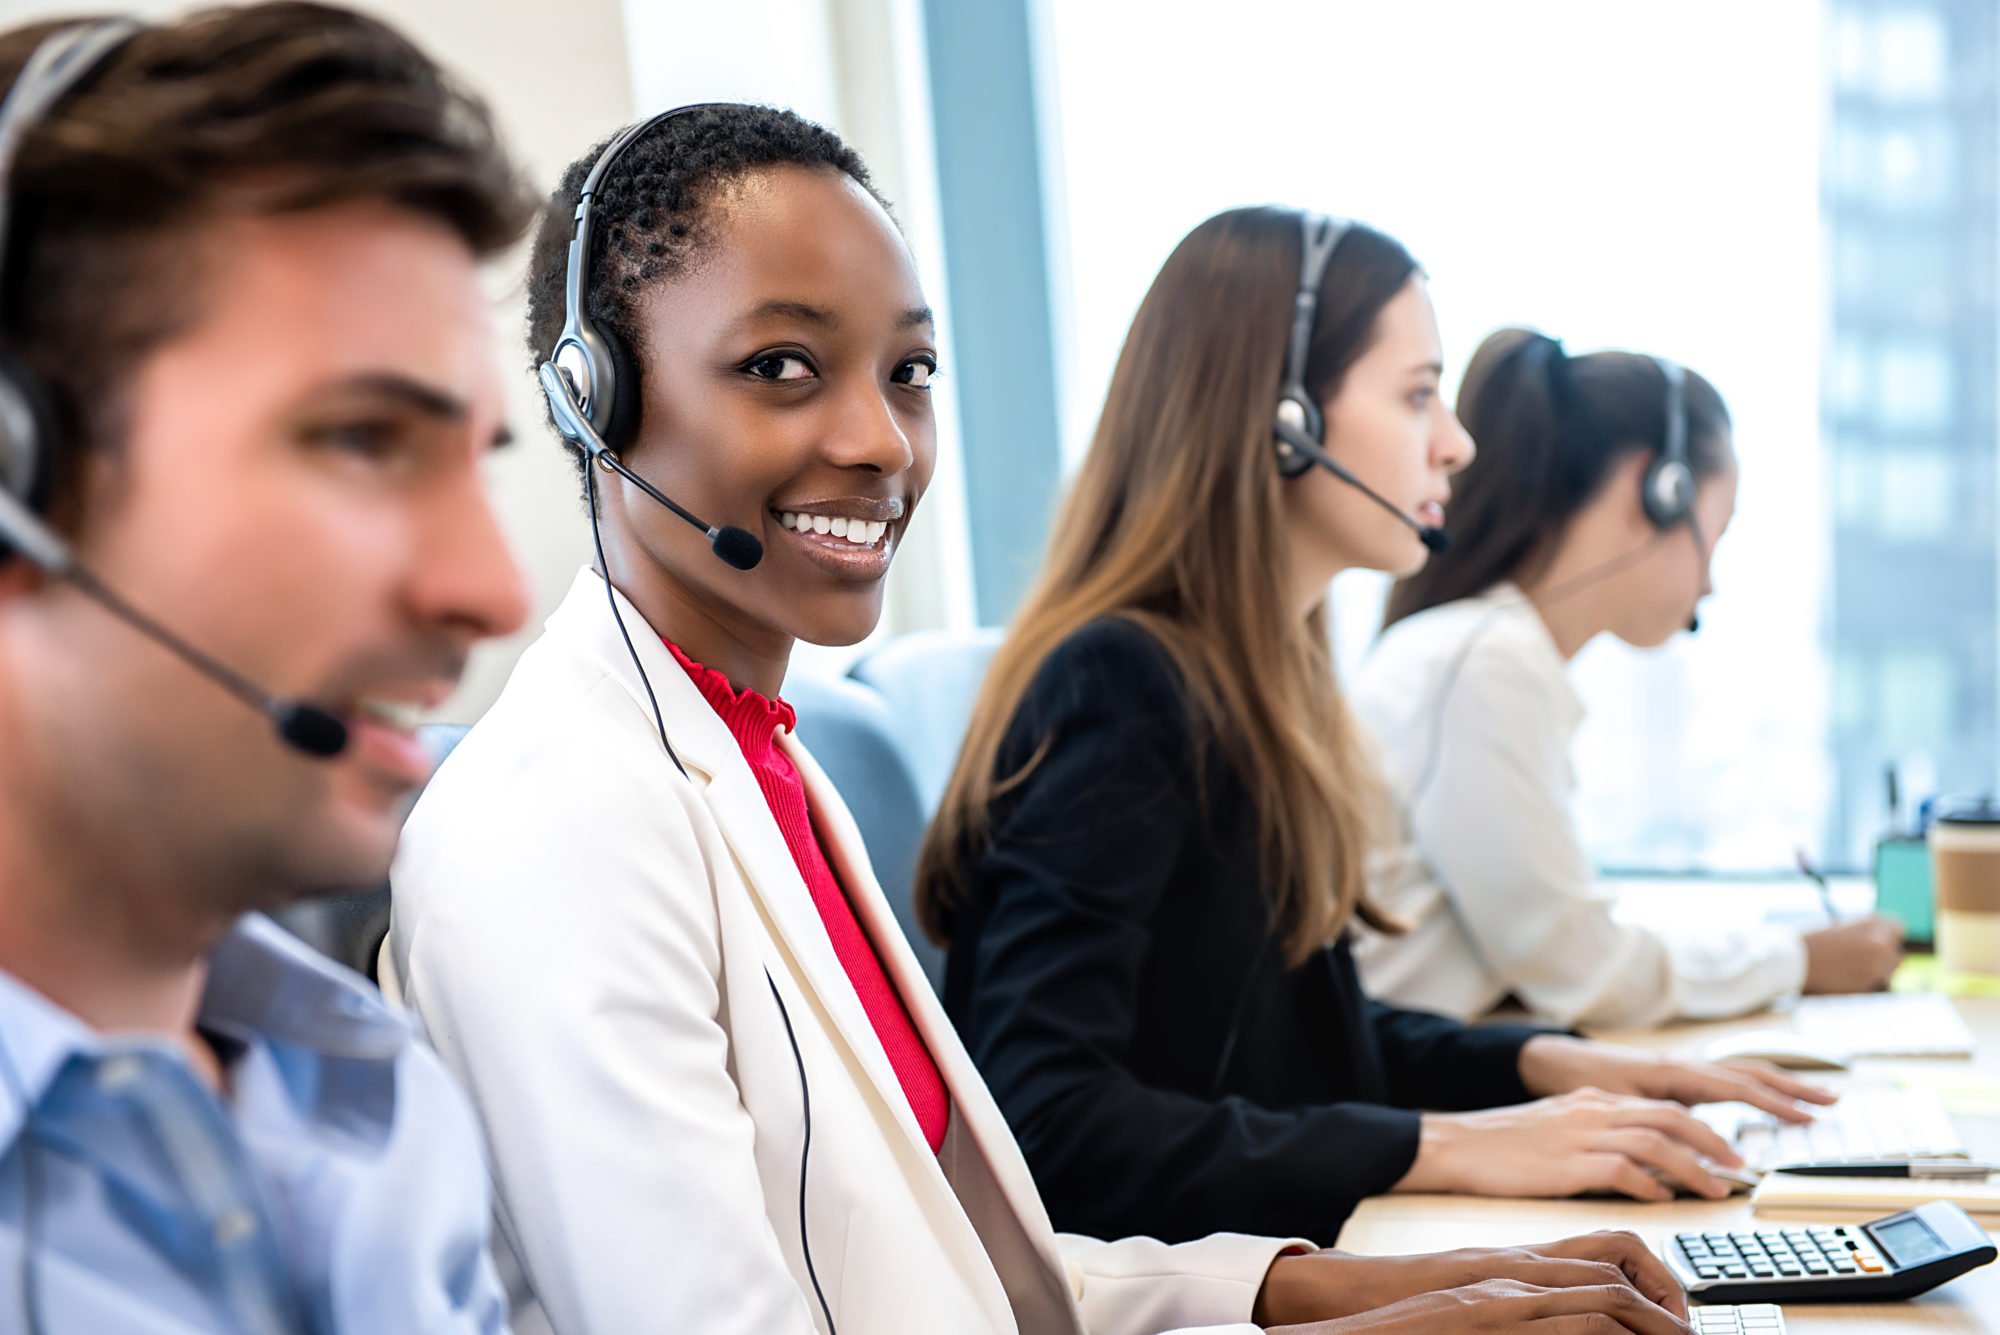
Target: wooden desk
1388	1225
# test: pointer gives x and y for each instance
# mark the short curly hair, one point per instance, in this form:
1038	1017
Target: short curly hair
647	221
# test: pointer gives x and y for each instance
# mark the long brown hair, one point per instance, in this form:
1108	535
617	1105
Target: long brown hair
1550	429
1174	523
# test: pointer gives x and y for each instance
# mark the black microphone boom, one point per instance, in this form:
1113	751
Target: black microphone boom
1435	539
303	727
735	546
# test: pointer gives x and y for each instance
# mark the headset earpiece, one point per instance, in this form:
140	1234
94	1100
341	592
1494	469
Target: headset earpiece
27	426
1298	416
622	423
1667	490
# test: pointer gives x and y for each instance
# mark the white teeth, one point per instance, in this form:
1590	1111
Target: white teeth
860	532
403	715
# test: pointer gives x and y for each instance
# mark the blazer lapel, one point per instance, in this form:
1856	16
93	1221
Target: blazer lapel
716	767
971	1099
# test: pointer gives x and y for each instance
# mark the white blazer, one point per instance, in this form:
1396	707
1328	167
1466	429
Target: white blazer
1472	704
591	941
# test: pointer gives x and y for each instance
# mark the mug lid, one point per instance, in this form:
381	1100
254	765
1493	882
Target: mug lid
1972	811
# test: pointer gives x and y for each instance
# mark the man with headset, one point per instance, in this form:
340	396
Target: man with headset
246	392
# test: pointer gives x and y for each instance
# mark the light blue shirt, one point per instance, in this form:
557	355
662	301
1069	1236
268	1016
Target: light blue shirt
340	1187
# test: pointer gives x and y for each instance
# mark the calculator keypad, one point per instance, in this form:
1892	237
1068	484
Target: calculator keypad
1774	1254
1752	1319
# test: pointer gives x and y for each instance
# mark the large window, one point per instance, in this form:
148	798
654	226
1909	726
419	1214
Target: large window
1638	175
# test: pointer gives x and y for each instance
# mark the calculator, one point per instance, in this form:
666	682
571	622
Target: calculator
1897	1256
1753	1319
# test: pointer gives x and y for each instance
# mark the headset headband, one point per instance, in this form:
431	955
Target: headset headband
1320	235
1674	445
61	61
576	289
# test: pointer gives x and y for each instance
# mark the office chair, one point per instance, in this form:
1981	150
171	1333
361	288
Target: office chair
350	927
852	733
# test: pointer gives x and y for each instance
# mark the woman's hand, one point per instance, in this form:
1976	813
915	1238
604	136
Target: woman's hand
1335	1284
1853	956
1507	1305
1554	1064
1563	1146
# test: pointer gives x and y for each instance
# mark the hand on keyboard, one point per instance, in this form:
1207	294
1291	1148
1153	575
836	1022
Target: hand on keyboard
1493	1306
1554	1064
1342	1284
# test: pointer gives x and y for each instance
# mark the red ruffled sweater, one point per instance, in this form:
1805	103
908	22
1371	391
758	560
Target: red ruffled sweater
754	721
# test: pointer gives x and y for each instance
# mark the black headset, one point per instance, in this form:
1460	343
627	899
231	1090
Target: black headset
1298	428
591	379
1667	491
28	433
597	376
1298	413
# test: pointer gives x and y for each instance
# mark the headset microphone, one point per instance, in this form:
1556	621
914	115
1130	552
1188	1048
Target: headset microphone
1303	446
303	727
737	547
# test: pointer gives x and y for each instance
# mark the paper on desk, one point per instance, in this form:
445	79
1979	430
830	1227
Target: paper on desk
1794	1191
1963	1093
1923	973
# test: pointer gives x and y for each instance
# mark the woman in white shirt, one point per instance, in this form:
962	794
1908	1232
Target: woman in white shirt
1600	486
641	926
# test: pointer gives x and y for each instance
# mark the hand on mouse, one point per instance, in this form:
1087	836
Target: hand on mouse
1587	1140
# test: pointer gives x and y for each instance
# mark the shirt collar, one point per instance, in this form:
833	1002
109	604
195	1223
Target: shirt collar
262	983
752	718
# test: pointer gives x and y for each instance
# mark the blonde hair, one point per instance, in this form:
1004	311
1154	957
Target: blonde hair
1175	524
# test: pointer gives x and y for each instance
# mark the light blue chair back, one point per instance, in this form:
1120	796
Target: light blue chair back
852	734
930	679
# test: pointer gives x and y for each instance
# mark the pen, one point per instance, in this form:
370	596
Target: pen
1937	1168
1819	881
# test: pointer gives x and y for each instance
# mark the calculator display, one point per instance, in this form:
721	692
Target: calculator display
1907	1241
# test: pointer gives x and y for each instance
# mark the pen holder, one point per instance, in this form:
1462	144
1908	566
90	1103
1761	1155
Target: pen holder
1903	888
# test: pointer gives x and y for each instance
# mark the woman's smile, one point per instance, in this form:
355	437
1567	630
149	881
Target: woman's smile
852	537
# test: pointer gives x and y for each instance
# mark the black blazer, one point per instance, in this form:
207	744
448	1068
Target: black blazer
1114	974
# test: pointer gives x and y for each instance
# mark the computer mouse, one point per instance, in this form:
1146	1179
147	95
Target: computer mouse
1778	1047
1739	1180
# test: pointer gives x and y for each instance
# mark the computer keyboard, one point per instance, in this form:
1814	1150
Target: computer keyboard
1865	1126
1749	1319
1885	1024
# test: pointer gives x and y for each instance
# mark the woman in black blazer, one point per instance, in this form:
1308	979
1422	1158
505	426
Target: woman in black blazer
1156	835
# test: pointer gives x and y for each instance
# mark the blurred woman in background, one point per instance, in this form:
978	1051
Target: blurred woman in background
1602	484
1156	837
